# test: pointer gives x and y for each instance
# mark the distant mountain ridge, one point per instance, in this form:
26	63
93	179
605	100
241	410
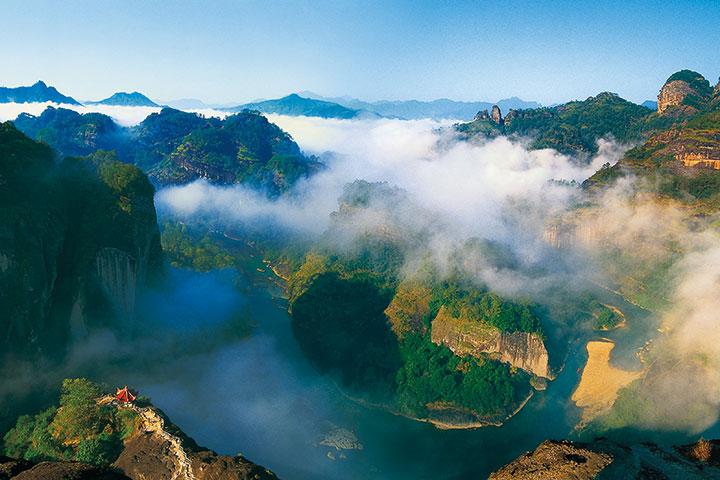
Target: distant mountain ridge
295	105
38	92
186	104
124	99
439	109
651	104
310	104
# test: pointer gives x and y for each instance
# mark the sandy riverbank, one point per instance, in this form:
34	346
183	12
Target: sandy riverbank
600	381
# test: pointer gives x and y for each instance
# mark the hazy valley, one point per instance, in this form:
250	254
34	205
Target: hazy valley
352	261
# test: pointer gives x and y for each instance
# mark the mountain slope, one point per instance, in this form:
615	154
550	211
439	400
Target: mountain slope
682	160
38	92
78	239
70	133
179	147
295	105
134	99
131	440
573	127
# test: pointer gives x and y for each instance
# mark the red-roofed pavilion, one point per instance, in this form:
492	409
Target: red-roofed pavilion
124	395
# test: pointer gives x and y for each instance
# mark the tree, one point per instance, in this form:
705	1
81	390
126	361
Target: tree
79	414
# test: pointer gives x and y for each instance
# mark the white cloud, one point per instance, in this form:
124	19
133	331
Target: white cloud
125	116
468	184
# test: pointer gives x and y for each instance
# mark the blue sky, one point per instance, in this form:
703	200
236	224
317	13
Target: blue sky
227	51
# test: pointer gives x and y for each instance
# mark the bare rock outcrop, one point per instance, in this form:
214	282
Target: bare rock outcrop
571	232
158	450
496	115
13	469
606	459
672	94
482	115
554	460
686	89
471	336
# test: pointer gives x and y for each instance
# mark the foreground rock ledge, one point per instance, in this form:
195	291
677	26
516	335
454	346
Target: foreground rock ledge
555	460
157	450
604	459
160	450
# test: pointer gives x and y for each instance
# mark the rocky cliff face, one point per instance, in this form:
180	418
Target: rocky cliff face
603	459
77	240
159	450
686	89
467	336
117	272
672	94
707	157
571	232
496	115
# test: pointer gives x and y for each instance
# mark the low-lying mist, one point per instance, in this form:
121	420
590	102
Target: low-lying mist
498	189
667	257
454	191
125	116
501	190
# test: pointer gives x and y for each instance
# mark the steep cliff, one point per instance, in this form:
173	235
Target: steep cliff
684	90
160	450
87	430
465	335
77	239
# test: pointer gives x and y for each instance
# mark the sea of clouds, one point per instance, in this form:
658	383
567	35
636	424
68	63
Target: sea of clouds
497	189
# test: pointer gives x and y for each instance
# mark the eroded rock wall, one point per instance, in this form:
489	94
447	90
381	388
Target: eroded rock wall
159	450
117	273
672	94
467	336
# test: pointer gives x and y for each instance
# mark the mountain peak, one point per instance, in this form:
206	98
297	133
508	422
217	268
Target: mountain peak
295	105
37	92
685	88
134	99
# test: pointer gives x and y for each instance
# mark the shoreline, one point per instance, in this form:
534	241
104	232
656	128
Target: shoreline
438	424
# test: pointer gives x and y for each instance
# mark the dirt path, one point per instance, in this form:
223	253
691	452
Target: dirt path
152	422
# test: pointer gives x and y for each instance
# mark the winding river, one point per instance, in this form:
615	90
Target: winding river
259	396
